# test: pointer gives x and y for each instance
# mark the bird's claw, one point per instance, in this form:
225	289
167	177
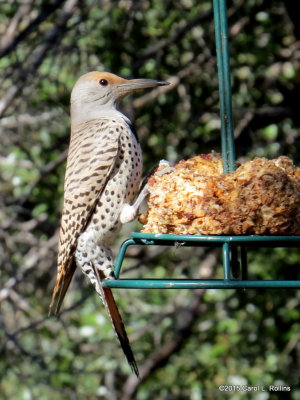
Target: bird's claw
164	170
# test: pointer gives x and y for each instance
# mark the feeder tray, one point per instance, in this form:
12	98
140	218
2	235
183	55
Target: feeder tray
234	248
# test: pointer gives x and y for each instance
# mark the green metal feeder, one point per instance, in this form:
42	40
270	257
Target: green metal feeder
233	247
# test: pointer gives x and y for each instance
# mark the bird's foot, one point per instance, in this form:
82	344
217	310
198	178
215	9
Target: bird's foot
128	212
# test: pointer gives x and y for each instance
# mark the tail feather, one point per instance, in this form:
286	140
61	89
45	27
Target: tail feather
62	283
119	327
116	319
61	286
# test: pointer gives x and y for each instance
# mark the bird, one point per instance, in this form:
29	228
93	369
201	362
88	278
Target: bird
102	179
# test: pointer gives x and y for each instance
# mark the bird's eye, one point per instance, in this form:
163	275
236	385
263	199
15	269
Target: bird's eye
103	82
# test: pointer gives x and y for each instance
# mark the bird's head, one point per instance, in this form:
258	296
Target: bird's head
97	94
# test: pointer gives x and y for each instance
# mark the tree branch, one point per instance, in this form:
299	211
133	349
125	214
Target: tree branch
54	35
8	43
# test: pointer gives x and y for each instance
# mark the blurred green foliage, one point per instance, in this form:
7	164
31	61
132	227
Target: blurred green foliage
218	337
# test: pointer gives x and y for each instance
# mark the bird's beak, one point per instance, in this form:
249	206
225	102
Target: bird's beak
128	86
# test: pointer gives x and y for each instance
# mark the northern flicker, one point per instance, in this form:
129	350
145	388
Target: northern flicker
104	169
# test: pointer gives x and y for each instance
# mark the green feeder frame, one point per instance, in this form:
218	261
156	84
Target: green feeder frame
234	248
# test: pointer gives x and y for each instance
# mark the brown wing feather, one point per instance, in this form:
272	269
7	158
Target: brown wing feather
92	154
